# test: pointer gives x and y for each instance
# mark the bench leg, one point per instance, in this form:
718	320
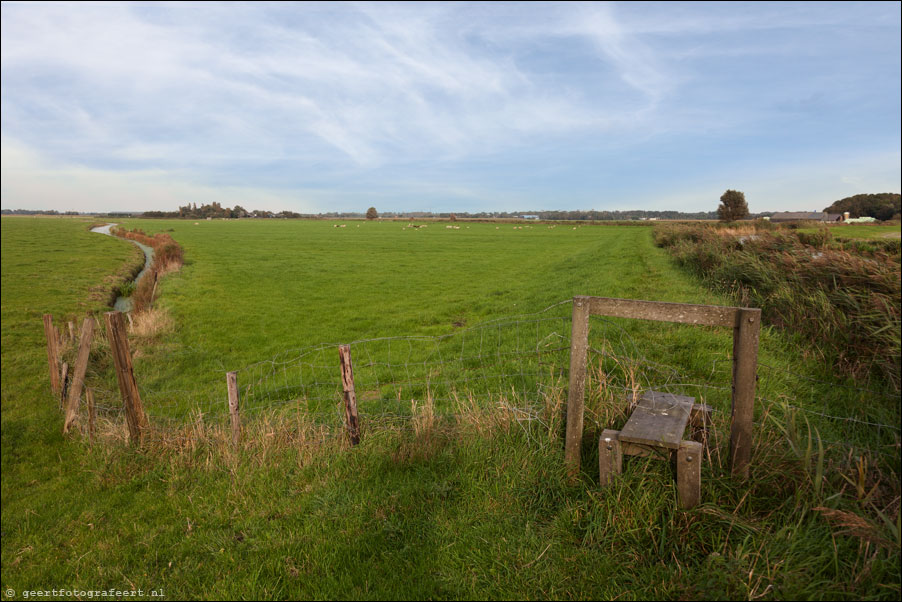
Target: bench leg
689	473
610	457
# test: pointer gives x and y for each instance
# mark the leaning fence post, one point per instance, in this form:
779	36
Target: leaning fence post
53	353
64	385
92	418
125	374
78	379
745	366
350	397
232	383
579	341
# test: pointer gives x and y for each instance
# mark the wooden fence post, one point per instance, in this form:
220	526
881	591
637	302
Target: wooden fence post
64	385
125	374
89	398
232	384
78	379
350	397
579	341
53	353
745	366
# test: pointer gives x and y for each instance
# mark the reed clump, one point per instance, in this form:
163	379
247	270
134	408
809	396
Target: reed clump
842	296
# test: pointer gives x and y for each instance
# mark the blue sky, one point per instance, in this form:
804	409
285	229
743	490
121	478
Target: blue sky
448	106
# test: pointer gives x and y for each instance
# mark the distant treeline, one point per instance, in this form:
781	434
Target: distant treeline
37	212
883	206
215	210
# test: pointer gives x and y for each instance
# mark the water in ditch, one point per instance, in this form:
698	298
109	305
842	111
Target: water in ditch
124	304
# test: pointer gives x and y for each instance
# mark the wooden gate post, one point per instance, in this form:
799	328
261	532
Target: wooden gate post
125	374
78	379
746	324
350	397
232	383
745	366
579	341
53	353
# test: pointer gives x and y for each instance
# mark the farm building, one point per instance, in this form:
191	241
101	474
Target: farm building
800	216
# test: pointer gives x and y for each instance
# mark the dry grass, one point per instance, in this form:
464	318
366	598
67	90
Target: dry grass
737	230
849	523
205	441
150	323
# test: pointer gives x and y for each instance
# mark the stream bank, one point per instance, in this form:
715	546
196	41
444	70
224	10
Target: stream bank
124	304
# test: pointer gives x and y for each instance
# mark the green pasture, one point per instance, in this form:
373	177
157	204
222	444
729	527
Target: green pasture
865	231
252	290
467	507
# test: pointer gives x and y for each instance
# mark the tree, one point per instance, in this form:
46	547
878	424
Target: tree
732	206
371	213
881	206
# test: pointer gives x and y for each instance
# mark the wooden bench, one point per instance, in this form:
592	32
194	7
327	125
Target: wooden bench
655	429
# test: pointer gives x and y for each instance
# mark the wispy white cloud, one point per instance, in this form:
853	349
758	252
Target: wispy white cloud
374	82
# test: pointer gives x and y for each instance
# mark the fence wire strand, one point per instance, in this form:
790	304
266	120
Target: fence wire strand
514	363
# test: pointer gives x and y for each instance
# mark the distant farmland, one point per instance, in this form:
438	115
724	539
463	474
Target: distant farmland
463	497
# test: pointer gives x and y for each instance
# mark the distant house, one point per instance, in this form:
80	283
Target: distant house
529	217
806	216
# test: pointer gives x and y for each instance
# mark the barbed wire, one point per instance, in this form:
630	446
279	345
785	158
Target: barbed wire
514	362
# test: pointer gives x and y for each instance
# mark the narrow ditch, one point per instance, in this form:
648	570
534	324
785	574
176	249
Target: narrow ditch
124	304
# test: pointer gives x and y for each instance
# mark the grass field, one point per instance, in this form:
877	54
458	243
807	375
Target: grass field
468	505
860	231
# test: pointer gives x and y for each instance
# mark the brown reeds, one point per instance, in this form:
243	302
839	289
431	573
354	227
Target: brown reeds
843	297
168	257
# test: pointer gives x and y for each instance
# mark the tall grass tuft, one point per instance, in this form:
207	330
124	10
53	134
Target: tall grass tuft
843	297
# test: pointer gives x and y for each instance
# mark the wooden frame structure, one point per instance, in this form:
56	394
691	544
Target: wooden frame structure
746	325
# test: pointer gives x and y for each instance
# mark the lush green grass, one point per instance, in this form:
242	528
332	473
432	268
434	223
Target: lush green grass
879	231
252	289
474	506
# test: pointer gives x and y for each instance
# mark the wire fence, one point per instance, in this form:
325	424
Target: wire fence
521	363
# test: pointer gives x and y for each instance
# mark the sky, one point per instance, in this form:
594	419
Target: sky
468	107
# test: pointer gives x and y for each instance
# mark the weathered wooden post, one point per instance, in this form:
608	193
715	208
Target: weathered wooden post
610	457
689	474
579	342
125	374
64	385
746	324
92	418
78	379
53	353
745	366
350	397
232	384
